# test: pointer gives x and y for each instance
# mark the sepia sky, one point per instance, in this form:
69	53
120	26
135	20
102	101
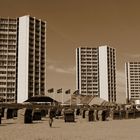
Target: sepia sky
75	23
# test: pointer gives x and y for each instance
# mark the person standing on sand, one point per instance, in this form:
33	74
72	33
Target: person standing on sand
51	115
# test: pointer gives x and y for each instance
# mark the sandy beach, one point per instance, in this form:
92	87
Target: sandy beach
80	130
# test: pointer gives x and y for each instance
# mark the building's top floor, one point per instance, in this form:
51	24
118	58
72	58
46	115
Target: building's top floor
133	66
94	48
133	63
9	19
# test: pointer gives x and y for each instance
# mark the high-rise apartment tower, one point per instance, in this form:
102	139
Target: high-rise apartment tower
22	58
132	74
96	72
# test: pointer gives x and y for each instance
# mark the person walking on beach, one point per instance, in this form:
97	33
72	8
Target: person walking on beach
51	115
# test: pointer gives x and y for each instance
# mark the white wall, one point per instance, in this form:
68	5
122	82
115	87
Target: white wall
23	40
78	65
127	80
76	68
103	72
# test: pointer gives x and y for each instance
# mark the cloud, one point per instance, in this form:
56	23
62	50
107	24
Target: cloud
121	78
50	61
132	56
135	55
121	86
68	70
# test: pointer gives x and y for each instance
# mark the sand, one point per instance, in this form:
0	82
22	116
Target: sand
80	130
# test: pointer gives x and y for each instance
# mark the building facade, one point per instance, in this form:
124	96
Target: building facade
8	59
132	74
31	57
22	58
107	73
87	71
96	72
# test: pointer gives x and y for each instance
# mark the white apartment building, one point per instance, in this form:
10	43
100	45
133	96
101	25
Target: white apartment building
96	72
132	74
27	48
